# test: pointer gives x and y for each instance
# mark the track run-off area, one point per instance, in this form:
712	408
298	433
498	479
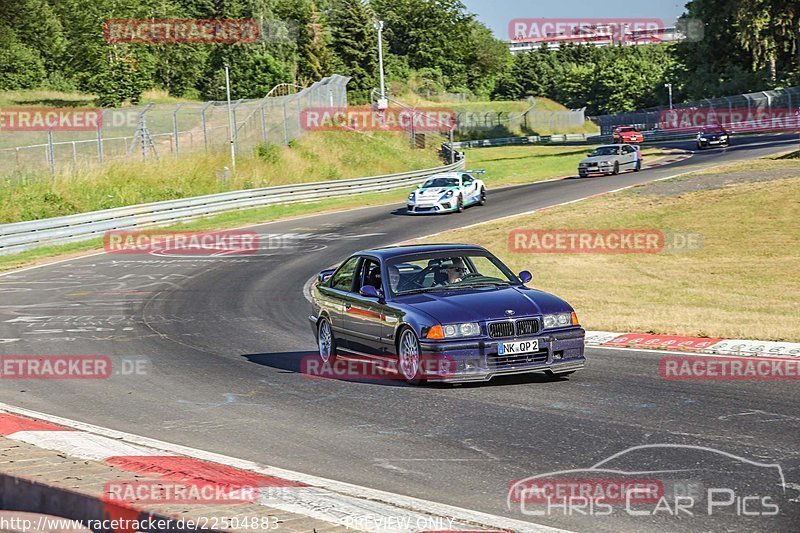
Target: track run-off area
220	341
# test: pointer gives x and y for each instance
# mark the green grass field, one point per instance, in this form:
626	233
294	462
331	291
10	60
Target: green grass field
317	156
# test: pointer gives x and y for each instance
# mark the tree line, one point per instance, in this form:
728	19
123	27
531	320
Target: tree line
748	45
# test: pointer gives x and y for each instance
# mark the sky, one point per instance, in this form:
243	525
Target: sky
497	13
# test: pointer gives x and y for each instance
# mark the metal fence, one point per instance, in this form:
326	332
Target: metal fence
170	130
768	102
476	124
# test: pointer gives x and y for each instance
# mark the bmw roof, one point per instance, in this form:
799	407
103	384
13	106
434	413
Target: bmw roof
393	251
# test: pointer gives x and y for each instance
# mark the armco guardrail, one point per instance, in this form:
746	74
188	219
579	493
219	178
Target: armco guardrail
21	236
531	139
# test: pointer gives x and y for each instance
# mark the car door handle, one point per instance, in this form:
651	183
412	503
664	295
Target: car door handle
348	306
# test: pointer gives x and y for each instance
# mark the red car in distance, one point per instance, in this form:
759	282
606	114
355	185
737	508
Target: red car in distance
627	135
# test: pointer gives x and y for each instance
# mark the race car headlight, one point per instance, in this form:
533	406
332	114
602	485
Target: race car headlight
467	329
557	321
412	196
445	196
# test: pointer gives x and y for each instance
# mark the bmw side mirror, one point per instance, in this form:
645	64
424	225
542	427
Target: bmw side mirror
525	276
369	291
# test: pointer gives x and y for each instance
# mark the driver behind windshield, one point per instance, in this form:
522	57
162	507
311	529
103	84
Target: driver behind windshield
456	271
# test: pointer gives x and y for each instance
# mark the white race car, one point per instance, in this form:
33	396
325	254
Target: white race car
447	193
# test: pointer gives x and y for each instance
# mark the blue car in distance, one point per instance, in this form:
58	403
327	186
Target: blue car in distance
442	312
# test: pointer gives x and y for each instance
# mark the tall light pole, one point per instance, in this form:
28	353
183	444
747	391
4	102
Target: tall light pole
669	88
382	103
231	125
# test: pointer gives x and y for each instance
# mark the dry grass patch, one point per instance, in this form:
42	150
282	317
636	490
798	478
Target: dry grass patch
744	282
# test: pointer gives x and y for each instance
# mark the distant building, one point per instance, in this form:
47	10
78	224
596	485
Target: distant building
599	36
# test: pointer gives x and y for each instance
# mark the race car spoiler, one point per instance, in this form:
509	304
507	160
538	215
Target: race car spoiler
474	171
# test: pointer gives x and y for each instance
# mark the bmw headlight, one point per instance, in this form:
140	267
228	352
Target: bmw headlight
558	321
467	329
605	163
582	164
703	139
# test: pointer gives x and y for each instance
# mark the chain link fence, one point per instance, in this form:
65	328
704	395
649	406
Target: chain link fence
482	124
170	130
764	103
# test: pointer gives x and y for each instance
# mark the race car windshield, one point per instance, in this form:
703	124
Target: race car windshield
441	182
604	150
447	271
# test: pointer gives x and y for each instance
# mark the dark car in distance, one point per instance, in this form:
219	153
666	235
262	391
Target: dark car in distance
408	305
712	136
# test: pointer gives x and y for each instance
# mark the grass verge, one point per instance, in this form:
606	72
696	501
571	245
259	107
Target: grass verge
743	283
519	168
510	165
316	157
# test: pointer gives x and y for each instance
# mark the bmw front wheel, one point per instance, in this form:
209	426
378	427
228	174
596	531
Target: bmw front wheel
408	351
326	342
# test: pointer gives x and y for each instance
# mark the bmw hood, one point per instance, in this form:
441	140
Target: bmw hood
476	305
598	158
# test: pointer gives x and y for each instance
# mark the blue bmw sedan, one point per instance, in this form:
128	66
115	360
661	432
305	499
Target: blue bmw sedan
442	312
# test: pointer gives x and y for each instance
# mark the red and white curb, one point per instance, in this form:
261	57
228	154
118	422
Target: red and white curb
355	507
701	345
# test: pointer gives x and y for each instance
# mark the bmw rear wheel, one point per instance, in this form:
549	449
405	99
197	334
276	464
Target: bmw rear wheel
616	168
408	357
326	342
638	165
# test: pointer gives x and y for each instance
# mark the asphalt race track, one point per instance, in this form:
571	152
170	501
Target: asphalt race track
223	338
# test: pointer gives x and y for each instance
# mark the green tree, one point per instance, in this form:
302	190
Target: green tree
21	67
355	46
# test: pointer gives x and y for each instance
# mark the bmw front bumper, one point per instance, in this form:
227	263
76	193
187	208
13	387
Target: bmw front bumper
478	360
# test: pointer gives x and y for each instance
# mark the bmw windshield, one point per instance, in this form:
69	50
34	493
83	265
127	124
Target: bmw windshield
447	271
604	150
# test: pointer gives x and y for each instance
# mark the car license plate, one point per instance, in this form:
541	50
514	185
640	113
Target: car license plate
513	348
713	142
